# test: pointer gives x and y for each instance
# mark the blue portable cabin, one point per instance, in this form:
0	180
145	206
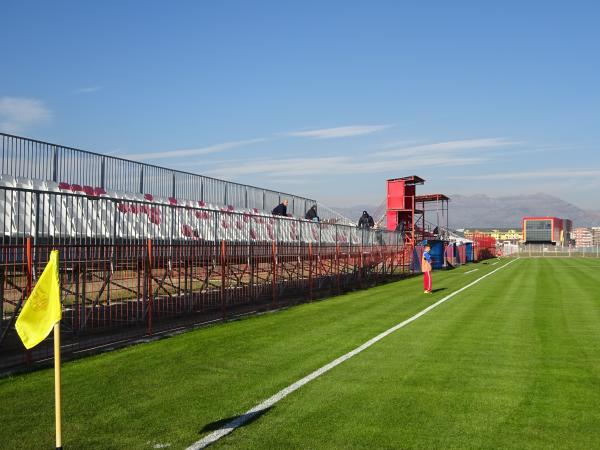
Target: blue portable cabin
437	253
469	246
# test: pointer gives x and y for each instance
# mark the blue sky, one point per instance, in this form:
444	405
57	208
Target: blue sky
321	98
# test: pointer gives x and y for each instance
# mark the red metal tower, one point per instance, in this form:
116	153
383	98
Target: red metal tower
406	209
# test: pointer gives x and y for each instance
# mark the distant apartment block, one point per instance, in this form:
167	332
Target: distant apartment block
498	234
506	235
596	236
583	237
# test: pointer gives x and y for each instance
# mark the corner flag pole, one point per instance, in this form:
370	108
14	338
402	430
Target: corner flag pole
57	402
40	314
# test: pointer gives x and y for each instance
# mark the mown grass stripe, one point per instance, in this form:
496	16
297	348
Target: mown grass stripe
265	405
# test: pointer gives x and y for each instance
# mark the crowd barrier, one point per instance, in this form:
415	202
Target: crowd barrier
133	266
551	251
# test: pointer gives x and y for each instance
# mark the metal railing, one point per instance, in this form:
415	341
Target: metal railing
38	160
131	268
62	217
548	250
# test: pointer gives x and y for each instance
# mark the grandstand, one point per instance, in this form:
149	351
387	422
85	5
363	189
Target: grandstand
144	248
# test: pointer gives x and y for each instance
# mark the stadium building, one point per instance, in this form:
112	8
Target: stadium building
547	230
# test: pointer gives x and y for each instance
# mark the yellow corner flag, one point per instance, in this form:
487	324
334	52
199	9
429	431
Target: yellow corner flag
42	309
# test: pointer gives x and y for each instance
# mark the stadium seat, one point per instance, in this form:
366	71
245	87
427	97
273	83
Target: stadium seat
8	180
85	215
24	183
7	201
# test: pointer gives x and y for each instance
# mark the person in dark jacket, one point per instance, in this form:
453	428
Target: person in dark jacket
281	209
366	221
311	214
400	227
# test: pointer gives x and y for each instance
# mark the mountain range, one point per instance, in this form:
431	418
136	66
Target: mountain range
482	211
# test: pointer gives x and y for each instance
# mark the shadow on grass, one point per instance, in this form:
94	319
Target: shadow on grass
433	291
234	422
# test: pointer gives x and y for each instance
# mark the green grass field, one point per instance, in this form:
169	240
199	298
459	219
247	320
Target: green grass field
511	362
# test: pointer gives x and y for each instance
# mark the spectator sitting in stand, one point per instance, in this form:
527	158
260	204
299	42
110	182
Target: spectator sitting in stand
311	214
366	221
281	209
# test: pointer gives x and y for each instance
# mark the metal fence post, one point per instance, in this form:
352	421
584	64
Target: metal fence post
149	284
1	298
337	266
252	277
102	173
360	264
55	164
310	280
29	285
141	179
274	274
223	280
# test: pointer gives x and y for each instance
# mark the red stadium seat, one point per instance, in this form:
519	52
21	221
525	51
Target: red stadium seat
123	208
187	230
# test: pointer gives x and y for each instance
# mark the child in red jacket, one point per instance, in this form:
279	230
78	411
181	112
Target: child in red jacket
426	269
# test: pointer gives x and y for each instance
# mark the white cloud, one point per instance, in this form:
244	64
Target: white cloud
449	146
561	174
18	114
337	165
339	132
400	144
87	90
192	151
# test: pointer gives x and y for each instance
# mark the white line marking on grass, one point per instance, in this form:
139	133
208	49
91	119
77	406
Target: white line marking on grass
262	407
494	263
470	271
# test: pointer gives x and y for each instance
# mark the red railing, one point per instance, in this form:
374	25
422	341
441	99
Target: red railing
147	286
